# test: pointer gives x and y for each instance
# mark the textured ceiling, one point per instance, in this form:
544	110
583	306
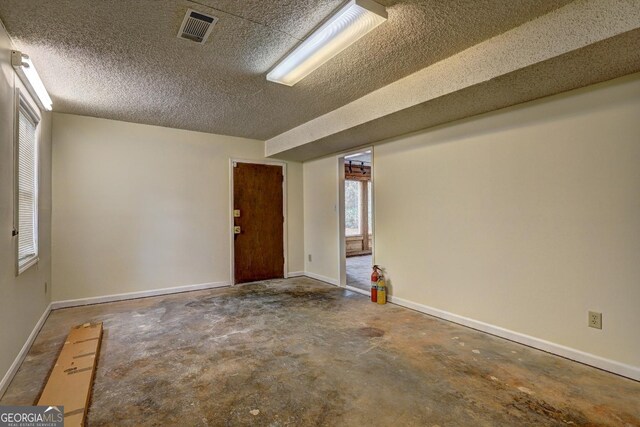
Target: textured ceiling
121	59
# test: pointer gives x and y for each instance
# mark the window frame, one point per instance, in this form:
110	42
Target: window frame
24	102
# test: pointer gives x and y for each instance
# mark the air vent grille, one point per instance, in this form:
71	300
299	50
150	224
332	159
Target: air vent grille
196	26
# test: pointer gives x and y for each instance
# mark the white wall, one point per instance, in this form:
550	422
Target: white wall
22	299
295	217
525	218
138	207
321	219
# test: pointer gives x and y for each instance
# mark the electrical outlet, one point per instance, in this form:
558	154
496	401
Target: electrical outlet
595	320
309	257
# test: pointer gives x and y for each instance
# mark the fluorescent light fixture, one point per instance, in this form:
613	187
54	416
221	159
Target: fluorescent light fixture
29	76
350	23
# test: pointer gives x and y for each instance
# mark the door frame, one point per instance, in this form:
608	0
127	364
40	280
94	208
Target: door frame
342	247
283	165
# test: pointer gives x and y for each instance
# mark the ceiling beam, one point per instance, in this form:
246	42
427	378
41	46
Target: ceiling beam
553	53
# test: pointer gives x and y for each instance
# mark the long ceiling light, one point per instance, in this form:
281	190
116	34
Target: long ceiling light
29	76
345	27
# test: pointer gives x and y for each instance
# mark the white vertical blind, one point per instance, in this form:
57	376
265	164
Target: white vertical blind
27	187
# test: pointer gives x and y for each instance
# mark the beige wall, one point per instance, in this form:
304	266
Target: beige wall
138	207
525	218
295	217
321	219
22	299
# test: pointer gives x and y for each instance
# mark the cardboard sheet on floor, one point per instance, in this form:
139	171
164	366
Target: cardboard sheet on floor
71	379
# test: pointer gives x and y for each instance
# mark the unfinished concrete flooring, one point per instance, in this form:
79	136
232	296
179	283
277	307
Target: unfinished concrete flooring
299	352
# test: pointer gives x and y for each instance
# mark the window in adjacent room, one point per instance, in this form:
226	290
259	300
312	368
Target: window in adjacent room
353	207
369	206
26	186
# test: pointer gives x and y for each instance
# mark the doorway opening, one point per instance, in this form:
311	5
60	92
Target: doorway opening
356	214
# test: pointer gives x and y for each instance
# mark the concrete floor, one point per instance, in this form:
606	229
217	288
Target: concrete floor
359	272
299	352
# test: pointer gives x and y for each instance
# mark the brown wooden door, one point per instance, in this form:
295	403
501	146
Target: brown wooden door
259	247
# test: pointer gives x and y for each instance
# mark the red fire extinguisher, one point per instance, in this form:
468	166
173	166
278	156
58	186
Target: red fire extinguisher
374	284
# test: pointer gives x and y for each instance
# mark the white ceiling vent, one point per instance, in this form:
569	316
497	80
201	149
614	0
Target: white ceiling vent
196	26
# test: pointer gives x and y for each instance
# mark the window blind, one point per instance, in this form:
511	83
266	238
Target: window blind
27	187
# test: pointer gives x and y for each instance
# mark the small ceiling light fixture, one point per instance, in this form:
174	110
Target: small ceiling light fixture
29	76
345	27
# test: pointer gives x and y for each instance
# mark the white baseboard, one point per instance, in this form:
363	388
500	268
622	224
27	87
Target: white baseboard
609	365
325	279
625	370
135	295
13	369
628	371
295	274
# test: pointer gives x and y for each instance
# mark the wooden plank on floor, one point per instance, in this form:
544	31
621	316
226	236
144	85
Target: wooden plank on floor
71	379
